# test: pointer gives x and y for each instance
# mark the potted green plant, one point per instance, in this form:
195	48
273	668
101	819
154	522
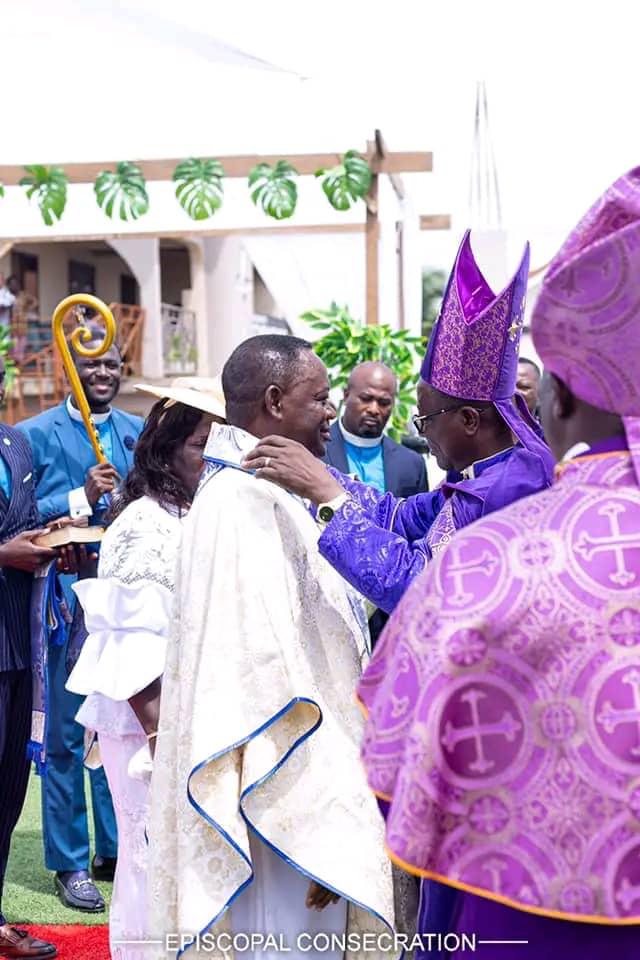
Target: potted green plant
347	342
6	345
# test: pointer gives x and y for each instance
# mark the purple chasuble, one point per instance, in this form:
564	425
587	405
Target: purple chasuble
380	543
504	730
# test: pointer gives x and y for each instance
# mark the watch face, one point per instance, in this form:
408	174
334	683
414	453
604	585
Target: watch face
325	514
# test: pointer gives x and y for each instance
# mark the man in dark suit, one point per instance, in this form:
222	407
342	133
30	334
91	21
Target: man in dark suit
19	557
357	444
68	481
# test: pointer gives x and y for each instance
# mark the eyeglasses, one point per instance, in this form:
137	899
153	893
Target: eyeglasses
422	423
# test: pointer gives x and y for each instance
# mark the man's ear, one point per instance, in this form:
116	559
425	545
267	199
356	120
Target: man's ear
470	420
273	401
563	401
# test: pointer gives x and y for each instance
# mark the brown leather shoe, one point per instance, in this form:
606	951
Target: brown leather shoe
18	943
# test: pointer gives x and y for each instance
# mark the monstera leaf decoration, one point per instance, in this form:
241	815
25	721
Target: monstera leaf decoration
49	186
124	191
348	182
274	189
199	187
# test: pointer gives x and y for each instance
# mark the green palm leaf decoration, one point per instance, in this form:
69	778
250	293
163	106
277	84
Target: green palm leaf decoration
274	189
49	186
199	187
1	190
124	190
348	182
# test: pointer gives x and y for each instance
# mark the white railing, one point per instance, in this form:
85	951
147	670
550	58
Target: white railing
179	344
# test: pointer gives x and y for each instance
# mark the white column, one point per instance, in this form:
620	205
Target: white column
198	302
143	256
229	301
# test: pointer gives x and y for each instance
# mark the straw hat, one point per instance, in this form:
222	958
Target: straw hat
203	393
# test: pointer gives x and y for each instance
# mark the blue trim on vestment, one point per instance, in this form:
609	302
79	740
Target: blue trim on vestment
228	463
196	806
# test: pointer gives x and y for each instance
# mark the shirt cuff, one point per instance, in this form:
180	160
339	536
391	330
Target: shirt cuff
79	506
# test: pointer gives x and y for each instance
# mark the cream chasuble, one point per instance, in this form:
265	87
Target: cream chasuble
260	732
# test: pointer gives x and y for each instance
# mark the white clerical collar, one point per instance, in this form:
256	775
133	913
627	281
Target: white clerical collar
469	473
357	441
227	444
575	451
75	414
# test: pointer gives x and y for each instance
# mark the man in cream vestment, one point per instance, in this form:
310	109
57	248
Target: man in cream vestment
260	809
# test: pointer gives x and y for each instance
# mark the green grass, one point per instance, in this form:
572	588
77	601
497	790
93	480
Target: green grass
29	896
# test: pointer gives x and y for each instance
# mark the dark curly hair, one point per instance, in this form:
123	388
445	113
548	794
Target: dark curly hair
165	429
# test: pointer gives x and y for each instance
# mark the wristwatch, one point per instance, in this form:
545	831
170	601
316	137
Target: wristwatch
326	511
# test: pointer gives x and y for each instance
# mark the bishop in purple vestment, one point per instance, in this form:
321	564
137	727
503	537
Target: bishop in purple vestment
467	411
504	696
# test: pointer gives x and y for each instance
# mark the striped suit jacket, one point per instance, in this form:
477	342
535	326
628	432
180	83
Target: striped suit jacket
18	513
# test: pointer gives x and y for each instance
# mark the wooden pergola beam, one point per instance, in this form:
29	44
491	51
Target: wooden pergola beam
375	152
435	221
234	166
268	230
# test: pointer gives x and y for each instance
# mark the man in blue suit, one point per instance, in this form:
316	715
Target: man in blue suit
68	482
358	446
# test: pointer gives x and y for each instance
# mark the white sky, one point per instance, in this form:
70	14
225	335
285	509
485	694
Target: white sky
98	79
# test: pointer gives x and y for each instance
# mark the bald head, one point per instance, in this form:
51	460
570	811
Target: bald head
369	399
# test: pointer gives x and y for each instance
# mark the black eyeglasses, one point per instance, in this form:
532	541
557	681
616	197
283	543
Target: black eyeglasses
422	423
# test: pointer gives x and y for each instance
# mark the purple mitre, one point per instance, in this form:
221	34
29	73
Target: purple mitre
473	349
586	321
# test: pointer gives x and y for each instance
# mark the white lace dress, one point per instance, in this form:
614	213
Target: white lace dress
127	611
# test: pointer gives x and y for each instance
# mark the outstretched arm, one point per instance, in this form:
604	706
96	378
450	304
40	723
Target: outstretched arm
379	563
375	541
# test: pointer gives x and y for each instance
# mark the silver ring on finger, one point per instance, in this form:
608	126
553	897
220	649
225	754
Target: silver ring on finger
267	461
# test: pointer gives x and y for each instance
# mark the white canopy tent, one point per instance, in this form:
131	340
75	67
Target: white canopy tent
101	80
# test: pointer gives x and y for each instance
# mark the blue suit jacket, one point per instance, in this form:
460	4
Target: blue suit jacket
405	472
62	455
17	513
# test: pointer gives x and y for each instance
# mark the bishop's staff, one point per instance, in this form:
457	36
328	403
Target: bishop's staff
62	531
81	335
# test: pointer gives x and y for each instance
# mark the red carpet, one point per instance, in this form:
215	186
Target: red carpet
75	942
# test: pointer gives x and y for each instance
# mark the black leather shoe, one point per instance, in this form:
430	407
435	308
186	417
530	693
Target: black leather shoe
76	889
19	945
103	868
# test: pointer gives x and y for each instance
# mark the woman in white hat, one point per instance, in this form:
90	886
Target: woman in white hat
127	610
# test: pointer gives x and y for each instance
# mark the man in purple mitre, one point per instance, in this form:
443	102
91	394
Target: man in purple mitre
504	696
466	411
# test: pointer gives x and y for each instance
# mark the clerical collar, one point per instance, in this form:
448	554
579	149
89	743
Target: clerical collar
75	414
357	441
577	450
615	444
479	466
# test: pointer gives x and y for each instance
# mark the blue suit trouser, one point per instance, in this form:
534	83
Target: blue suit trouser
64	807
